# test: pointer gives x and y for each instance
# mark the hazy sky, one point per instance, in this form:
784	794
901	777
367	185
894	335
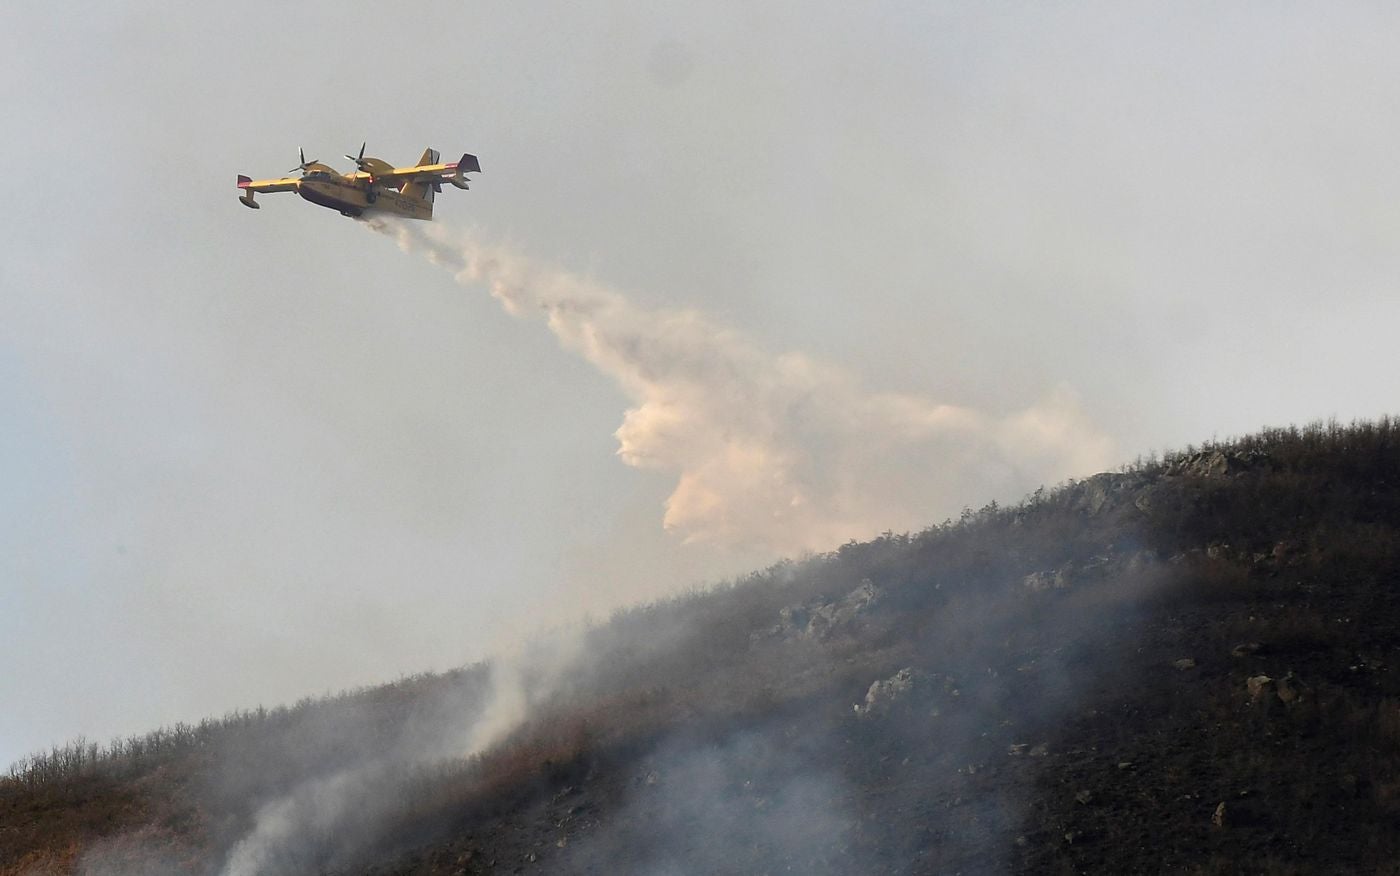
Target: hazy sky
246	456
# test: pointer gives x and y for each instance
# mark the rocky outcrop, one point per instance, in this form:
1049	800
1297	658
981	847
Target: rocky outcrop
907	687
1106	491
1054	579
1094	568
820	619
1218	463
883	694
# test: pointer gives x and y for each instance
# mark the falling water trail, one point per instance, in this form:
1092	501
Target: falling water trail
774	451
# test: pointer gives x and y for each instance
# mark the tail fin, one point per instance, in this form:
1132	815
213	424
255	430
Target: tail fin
419	190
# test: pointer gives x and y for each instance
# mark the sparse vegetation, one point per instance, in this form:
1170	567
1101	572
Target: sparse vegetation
1079	699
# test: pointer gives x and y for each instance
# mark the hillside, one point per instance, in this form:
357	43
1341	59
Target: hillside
1185	666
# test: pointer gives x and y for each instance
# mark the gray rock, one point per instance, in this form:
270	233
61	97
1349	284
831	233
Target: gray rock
1106	491
1144	501
883	694
820	620
1213	464
1218	463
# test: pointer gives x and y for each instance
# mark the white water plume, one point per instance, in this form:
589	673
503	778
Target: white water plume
776	451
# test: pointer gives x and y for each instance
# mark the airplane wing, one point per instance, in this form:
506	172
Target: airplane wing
285	184
426	172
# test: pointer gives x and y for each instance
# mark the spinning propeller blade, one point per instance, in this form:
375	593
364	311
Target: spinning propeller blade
360	159
301	153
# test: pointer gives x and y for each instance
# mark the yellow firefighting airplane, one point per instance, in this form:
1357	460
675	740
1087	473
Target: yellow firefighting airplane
375	186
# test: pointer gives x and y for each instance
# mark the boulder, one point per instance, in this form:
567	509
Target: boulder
1184	664
1144	501
1260	687
906	688
883	694
1291	690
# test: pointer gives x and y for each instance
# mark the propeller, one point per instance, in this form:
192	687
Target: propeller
360	159
304	163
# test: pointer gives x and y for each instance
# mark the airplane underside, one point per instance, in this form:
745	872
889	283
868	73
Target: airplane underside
385	203
321	199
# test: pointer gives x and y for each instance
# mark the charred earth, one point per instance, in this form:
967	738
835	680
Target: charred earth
1191	665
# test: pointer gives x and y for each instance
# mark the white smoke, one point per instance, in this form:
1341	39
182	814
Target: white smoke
772	451
319	821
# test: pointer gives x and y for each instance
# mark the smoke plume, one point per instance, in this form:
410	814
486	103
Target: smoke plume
322	820
772	451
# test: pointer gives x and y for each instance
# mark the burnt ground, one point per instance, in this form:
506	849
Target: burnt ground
1127	780
1189	666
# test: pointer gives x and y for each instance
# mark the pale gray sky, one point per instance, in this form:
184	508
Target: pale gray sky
247	456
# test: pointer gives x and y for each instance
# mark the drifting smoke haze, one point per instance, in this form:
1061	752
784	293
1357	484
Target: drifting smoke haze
772	451
310	826
317	793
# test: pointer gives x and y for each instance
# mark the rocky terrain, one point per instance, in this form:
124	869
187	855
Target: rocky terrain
1186	666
